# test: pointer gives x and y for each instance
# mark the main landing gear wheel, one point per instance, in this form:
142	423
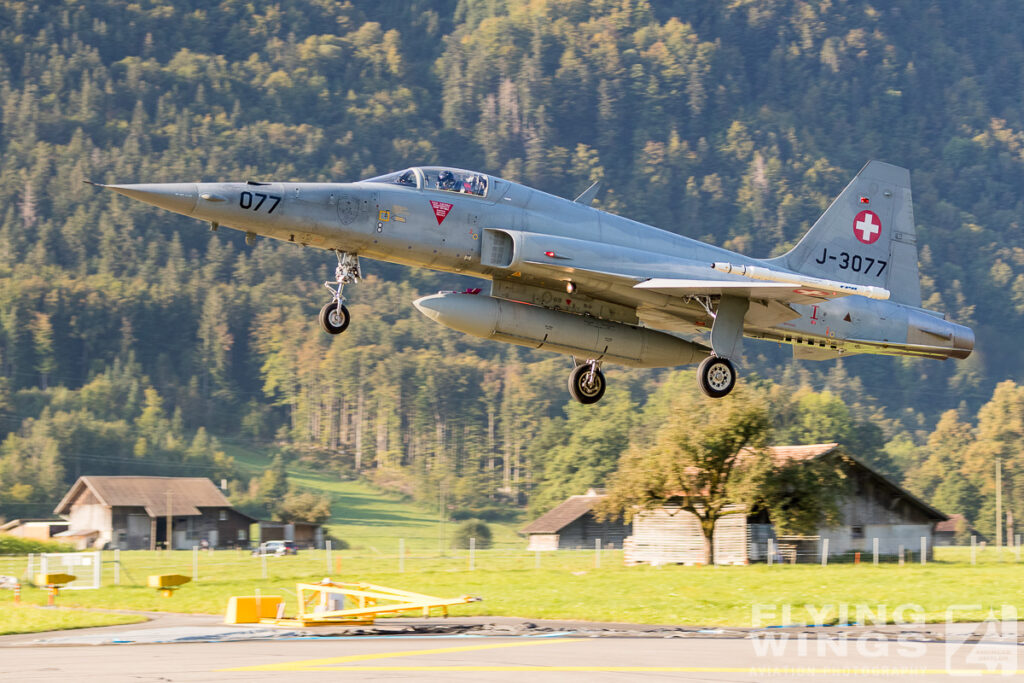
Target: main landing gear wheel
334	318
586	383
716	376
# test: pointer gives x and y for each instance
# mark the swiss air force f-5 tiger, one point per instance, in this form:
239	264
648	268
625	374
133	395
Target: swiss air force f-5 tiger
575	280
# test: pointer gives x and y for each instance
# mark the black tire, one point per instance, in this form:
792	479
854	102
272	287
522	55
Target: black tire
330	321
582	391
716	376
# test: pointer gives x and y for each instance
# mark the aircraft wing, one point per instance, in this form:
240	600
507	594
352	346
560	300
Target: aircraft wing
784	293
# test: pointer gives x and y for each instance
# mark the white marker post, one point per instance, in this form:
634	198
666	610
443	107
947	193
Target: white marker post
472	554
924	550
263	559
901	555
327	547
771	551
195	563
536	559
974	549
597	553
874	550
824	553
117	566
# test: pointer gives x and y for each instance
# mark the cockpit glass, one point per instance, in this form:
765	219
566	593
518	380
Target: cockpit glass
455	180
406	177
445	179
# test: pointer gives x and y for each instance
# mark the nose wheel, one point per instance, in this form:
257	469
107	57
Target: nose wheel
716	376
334	317
586	383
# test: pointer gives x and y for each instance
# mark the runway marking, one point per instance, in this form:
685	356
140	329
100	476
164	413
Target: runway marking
330	663
763	671
349	663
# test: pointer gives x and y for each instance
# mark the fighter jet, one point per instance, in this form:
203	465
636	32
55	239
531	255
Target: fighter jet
569	278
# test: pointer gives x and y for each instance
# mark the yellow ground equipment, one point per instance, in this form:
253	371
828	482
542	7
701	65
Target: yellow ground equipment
331	603
249	609
167	583
53	583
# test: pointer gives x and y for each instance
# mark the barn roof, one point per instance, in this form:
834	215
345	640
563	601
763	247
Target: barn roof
185	494
810	452
563	515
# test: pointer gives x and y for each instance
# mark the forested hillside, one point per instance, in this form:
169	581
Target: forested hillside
130	337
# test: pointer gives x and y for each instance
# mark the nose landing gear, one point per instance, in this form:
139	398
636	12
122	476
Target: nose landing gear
586	382
334	317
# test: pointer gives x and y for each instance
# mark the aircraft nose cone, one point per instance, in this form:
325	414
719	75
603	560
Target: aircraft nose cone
177	197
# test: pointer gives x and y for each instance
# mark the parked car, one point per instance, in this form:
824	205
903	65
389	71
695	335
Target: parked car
278	548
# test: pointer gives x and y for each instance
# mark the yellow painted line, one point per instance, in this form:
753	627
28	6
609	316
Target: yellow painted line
319	664
794	670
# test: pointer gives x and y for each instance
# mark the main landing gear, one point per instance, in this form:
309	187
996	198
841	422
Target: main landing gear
334	317
586	382
716	376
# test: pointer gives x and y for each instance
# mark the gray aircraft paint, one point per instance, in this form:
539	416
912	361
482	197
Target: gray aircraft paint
529	242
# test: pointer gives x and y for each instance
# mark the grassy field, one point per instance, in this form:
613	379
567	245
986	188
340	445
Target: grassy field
369	519
568	585
513	582
28	619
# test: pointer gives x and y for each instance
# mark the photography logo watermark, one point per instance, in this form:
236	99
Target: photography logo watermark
868	639
988	647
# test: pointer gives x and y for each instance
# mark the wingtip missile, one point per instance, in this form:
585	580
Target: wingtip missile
770	275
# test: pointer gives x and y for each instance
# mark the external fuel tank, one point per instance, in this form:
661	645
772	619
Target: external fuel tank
541	328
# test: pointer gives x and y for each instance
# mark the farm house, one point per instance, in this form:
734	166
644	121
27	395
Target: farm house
572	524
876	508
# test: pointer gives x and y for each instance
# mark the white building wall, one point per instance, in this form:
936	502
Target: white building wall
93	516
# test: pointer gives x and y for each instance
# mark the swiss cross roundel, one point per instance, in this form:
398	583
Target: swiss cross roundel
867	227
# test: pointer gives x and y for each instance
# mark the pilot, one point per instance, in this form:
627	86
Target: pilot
446	180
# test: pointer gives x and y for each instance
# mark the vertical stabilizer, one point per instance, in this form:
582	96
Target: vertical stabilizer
866	236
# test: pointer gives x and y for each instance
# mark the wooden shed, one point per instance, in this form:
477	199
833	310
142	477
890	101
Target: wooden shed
572	525
876	511
138	513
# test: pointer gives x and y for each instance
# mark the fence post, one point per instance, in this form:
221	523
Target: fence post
771	551
974	549
472	554
924	550
874	550
117	566
824	553
195	563
401	556
597	553
327	547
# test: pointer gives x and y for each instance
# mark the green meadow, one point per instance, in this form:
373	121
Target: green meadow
566	585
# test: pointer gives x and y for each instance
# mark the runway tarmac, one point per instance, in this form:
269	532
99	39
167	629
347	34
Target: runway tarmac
199	648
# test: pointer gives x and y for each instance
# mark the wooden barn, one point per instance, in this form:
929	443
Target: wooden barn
876	508
139	513
572	525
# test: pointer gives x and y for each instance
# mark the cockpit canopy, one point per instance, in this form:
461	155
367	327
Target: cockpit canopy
438	178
